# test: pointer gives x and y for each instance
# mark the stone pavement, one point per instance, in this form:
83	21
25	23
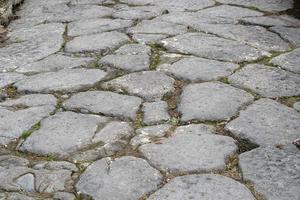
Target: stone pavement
150	99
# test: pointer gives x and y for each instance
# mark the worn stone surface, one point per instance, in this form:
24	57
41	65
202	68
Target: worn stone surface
100	42
255	36
288	33
9	78
148	38
62	134
131	57
206	186
125	178
155	112
272	20
289	61
67	80
212	47
138	12
199	152
8	161
267	81
54	63
92	26
199	69
266	122
206	101
30	100
274	172
107	103
267	5
148	85
297	106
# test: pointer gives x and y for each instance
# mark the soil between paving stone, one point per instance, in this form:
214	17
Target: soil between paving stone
150	99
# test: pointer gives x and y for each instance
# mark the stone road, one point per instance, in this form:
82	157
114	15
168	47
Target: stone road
150	99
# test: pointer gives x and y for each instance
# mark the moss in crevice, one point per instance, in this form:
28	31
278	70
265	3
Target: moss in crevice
156	51
35	127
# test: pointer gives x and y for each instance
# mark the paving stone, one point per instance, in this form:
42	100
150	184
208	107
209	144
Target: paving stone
146	134
212	47
195	129
297	106
30	100
16	196
272	20
55	165
9	78
14	123
267	5
198	69
266	122
62	134
206	186
54	63
26	182
91	2
148	38
92	26
67	80
107	103
157	27
138	12
96	42
289	61
9	161
155	112
255	36
205	101
196	153
125	178
131	57
214	15
267	81
288	33
148	84
274	172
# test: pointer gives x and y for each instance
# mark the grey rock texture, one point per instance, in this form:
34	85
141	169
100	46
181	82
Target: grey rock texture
274	172
266	122
148	84
199	69
107	103
138	12
155	112
130	57
206	186
297	106
203	45
100	42
125	178
272	20
190	153
67	80
289	61
289	33
206	101
9	78
267	81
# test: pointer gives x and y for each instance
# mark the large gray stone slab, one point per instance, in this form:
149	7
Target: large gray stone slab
97	42
9	78
274	172
16	121
30	100
266	122
107	103
212	47
267	5
9	161
296	106
272	20
54	63
212	101
157	27
255	36
150	85
267	81
289	61
62	134
190	153
125	178
92	26
204	187
130	57
289	33
155	112
199	69
67	80
138	12
148	38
